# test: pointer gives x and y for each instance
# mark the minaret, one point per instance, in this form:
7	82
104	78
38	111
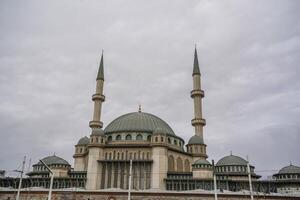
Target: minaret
196	144
98	98
97	137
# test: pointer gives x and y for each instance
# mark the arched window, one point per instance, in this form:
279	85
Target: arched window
171	163
109	138
162	139
128	137
156	139
139	137
97	140
149	138
186	165
169	140
118	137
175	142
105	156
179	165
122	155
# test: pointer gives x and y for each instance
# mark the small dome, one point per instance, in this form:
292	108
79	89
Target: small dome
202	162
97	131
84	141
138	122
231	160
51	160
291	169
196	140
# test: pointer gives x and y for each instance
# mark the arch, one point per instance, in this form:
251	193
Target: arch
186	165
109	138
171	166
118	137
128	137
169	140
162	139
179	165
149	138
139	137
175	142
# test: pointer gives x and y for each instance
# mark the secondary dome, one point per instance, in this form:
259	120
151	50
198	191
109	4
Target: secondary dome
52	160
291	169
83	141
138	122
196	140
231	160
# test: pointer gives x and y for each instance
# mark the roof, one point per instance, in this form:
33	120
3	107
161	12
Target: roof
196	140
291	169
100	75
202	162
231	160
97	131
83	141
196	69
138	122
51	160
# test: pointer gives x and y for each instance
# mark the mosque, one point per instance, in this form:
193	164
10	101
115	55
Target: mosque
160	158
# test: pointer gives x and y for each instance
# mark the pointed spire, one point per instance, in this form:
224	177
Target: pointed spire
100	75
196	69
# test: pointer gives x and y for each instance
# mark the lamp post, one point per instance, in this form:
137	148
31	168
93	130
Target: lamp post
249	177
21	177
129	186
215	181
51	180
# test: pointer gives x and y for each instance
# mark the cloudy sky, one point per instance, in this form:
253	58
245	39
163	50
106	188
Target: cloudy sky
249	55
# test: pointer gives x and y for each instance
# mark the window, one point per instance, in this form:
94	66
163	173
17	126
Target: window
175	142
149	138
162	139
139	137
169	140
156	139
128	137
118	137
109	138
97	140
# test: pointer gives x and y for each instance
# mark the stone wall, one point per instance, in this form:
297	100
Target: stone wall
97	195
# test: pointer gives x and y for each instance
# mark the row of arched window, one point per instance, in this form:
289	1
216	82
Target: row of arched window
129	137
232	169
180	165
139	155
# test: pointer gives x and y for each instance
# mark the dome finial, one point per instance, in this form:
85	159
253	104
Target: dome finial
231	153
54	154
140	108
291	163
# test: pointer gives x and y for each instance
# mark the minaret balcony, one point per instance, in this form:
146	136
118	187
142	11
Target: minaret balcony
198	121
100	97
96	124
197	93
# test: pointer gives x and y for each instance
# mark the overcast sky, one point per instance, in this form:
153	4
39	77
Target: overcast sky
249	55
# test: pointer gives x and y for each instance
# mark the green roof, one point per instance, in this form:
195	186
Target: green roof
231	160
83	141
291	169
196	140
97	131
202	162
196	69
51	160
100	75
138	122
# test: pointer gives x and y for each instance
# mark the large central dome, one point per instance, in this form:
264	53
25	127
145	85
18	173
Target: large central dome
138	122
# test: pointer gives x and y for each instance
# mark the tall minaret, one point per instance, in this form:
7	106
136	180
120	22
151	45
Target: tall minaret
196	144
98	98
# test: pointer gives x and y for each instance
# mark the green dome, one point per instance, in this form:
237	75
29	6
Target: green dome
196	140
138	122
52	160
291	169
202	162
83	141
97	131
231	160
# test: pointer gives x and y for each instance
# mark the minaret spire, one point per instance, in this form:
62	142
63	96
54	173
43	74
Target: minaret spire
98	97
100	75
196	69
